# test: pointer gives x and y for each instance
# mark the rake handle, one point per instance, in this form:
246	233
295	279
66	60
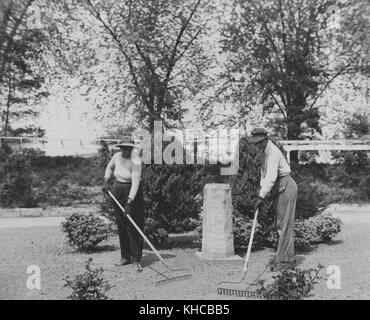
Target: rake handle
250	242
137	228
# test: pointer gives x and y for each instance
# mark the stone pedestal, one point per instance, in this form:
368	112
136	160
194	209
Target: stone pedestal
217	238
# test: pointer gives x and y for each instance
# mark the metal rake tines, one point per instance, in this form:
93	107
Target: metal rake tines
168	280
240	293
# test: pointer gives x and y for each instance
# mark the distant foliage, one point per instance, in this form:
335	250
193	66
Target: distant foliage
85	231
89	285
15	180
354	166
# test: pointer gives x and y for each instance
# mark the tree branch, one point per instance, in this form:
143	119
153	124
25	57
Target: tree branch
340	72
114	36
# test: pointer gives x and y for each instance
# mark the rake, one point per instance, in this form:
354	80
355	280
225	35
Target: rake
170	274
241	288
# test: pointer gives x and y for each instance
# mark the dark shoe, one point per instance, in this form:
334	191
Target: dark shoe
138	267
123	262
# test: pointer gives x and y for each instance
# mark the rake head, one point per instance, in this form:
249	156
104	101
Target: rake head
173	279
171	275
240	293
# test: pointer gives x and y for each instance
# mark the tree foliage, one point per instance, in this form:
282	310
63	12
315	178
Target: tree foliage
159	44
281	57
20	80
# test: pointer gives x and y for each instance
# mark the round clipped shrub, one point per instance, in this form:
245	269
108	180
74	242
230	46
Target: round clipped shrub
86	231
327	227
305	235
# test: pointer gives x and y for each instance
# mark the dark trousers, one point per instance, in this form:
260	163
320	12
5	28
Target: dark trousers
131	242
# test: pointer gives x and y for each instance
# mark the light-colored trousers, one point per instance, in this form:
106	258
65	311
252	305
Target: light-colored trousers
285	199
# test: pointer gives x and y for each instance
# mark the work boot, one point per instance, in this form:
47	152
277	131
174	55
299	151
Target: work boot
123	262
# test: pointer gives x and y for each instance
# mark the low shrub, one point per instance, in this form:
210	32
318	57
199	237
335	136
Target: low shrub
157	235
85	231
305	235
293	284
88	286
242	229
310	200
183	225
65	193
327	227
169	192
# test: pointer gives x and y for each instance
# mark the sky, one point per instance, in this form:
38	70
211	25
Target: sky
70	121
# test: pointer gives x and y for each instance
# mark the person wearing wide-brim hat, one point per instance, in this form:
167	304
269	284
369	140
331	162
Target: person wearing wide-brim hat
126	167
276	180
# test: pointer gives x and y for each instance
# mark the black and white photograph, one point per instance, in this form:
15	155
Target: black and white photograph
192	151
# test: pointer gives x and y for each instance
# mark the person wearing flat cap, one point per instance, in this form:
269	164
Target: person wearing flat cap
125	166
276	180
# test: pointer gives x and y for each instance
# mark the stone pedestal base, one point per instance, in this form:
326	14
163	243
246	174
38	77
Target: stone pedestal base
231	258
217	237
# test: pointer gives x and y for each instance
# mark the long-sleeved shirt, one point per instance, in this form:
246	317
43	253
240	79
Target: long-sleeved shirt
125	170
274	166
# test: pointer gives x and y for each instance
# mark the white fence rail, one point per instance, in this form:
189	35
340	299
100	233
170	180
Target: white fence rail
325	145
58	147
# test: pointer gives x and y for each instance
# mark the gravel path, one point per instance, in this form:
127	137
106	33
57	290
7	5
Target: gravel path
30	222
46	247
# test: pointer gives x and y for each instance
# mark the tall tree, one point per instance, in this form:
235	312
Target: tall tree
354	25
279	58
159	43
19	80
13	15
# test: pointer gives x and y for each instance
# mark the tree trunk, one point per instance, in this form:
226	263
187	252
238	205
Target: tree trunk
294	121
6	125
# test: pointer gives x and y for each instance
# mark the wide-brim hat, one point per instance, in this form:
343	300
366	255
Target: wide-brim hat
257	135
126	142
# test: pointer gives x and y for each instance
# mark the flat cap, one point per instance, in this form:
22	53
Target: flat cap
257	135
